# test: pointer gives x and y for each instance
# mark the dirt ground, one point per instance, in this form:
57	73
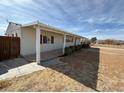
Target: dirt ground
94	69
49	80
103	68
110	46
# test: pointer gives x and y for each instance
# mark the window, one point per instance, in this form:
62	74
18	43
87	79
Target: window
44	39
52	39
40	39
69	39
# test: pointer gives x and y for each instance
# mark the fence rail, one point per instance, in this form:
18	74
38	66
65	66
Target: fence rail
9	47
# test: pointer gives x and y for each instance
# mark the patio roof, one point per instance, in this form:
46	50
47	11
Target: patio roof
50	28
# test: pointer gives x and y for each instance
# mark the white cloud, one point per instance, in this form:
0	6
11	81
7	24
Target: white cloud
74	29
12	2
103	20
2	31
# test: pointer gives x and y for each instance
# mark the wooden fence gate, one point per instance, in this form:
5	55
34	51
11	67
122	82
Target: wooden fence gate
9	47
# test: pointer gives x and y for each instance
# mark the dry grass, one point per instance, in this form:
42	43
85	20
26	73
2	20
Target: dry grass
4	83
103	68
109	46
48	80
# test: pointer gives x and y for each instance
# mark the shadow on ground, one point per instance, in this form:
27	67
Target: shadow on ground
82	66
6	65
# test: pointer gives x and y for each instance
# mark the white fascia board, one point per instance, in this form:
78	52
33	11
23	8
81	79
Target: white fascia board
51	28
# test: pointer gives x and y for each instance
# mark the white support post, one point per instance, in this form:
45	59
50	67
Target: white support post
64	43
75	41
38	45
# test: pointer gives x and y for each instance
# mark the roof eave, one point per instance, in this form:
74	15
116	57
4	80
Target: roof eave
49	27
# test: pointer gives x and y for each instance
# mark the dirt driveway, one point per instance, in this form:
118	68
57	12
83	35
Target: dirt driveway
101	68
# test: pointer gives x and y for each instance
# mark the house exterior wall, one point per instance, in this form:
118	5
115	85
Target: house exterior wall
28	41
13	29
69	44
58	41
78	41
70	41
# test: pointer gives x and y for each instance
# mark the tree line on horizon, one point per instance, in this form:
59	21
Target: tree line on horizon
106	41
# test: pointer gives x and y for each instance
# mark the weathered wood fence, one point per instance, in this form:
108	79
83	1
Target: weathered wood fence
9	47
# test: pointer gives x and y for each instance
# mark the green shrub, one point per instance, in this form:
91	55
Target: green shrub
68	51
72	48
85	45
76	48
79	47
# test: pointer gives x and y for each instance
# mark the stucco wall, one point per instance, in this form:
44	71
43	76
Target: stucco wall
69	44
28	41
58	41
78	41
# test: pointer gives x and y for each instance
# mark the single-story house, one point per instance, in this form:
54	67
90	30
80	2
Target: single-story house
37	38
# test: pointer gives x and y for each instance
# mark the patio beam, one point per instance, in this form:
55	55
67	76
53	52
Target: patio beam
38	45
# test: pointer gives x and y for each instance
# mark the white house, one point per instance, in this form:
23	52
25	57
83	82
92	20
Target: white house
37	38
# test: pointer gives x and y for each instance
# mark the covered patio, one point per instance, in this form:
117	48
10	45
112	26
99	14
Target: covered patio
45	56
42	56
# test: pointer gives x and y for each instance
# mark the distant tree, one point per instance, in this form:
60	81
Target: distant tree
93	40
112	42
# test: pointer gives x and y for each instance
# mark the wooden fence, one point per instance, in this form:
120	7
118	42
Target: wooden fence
9	47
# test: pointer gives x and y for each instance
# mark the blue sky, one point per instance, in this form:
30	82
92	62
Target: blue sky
100	18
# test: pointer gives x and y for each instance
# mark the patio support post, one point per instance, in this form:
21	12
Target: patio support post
75	41
38	45
64	43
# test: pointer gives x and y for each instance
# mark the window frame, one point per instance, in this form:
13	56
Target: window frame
45	41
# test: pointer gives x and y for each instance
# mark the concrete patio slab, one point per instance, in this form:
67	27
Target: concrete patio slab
17	67
44	55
